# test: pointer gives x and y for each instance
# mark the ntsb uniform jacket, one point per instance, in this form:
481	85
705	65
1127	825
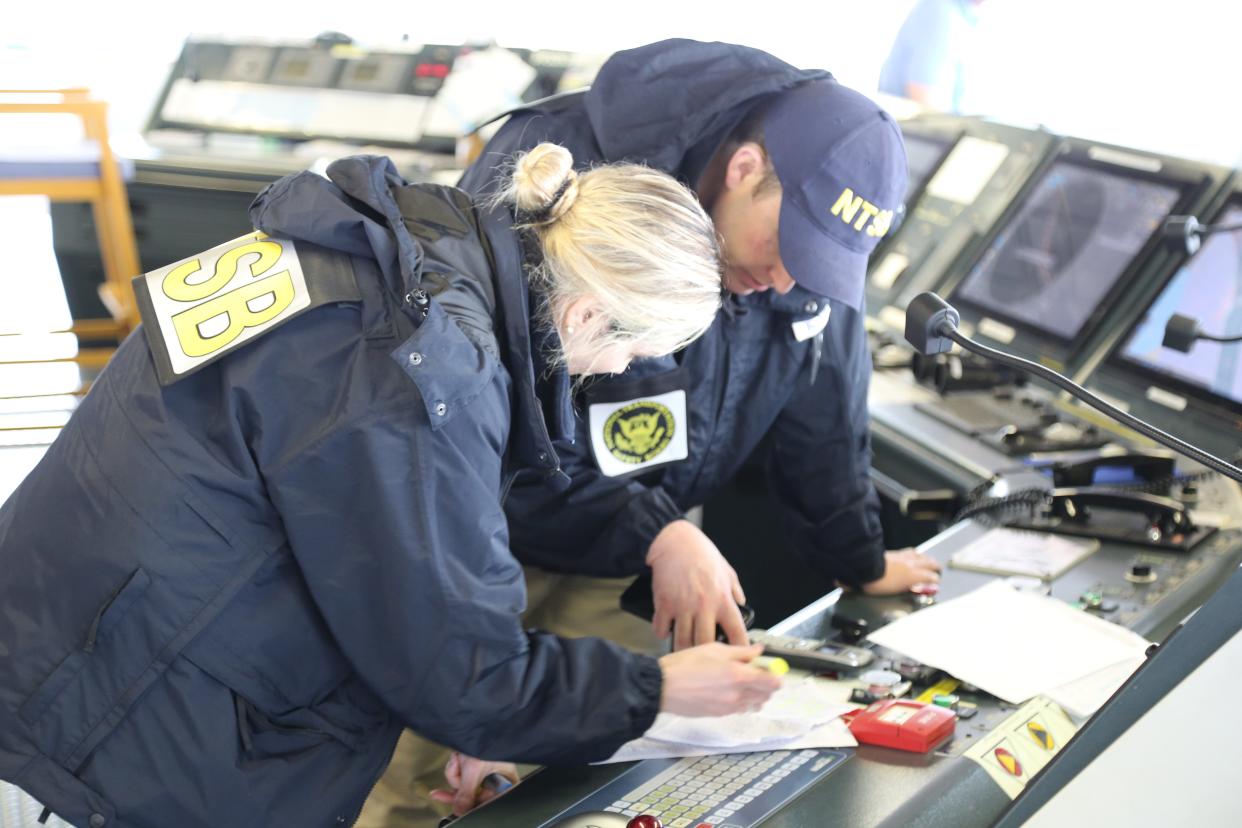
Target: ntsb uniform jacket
662	437
223	596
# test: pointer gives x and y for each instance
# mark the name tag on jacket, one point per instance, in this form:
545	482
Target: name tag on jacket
807	328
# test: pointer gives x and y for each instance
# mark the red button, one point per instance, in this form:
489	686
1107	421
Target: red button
645	821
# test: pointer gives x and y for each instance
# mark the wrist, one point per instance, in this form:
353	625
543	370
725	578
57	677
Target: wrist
666	539
662	661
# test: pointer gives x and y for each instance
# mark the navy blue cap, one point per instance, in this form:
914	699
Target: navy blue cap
842	166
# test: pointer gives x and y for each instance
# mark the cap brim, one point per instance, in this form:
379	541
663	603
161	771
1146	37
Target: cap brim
818	262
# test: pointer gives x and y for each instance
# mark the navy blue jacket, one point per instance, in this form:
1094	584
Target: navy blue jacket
670	105
223	598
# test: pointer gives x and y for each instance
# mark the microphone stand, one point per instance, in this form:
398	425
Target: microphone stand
931	324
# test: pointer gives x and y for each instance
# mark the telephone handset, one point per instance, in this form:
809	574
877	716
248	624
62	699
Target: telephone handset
1144	464
1103	513
1166	517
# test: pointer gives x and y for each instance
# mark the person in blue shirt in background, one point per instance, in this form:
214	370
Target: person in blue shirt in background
927	63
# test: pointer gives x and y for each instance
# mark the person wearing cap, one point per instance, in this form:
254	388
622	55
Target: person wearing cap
801	176
271	537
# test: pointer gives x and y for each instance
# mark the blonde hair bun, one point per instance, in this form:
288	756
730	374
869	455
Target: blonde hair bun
636	242
544	184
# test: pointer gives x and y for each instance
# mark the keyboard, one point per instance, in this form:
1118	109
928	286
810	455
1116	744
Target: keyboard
736	790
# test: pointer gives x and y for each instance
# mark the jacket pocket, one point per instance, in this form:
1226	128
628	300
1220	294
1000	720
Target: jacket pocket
104	622
449	369
267	736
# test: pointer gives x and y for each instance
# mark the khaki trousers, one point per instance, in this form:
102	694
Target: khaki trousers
571	606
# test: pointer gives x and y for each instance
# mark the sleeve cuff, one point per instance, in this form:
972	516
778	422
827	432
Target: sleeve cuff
635	528
848	547
649	684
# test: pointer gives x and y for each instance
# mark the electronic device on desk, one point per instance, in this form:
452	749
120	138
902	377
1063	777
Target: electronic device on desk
1086	229
979	169
904	724
990	403
953	373
1152	713
927	145
1134	509
235	115
1113	514
888	352
1199	391
813	654
1142	470
333	88
932	328
738	789
1114	464
605	819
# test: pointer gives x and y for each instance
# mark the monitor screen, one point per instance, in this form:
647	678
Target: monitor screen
1208	288
249	64
375	73
1067	246
923	156
304	67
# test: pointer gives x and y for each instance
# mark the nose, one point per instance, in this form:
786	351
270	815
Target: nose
781	281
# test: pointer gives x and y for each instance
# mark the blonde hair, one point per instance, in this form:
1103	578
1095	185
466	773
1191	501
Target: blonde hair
630	237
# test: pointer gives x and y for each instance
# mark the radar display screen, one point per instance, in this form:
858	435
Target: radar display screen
1207	288
1067	246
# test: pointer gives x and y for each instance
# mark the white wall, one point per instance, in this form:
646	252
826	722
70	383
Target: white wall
1146	73
1143	73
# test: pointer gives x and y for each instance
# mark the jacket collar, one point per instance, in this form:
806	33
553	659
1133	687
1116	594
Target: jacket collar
799	302
356	212
353	212
541	396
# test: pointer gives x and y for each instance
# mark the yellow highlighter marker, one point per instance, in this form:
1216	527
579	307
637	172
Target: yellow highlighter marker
775	665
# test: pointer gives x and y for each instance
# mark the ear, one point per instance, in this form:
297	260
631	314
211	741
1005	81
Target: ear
746	167
579	315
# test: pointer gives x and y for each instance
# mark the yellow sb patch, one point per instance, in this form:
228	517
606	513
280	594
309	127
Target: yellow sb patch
198	309
640	433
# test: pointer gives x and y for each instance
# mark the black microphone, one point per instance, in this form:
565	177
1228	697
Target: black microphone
1187	232
1181	332
924	316
931	327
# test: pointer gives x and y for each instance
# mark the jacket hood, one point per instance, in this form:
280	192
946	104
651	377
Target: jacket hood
354	211
678	99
